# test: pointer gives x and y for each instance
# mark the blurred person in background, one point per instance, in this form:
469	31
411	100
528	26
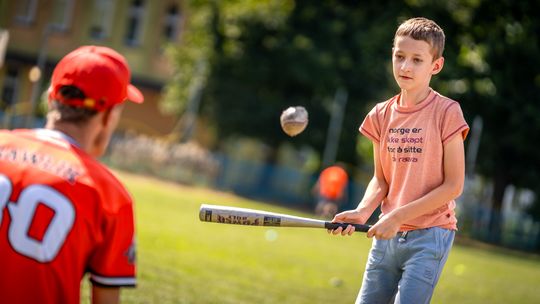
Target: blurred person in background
63	214
330	191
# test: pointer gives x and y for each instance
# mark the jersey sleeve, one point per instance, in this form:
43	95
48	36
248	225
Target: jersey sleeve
453	123
371	127
112	264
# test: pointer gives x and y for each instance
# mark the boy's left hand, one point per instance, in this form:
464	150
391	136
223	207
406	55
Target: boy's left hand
386	228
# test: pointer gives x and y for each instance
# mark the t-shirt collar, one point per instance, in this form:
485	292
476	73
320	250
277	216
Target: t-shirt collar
417	107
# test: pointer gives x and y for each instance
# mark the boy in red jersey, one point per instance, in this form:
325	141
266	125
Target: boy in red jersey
419	171
62	213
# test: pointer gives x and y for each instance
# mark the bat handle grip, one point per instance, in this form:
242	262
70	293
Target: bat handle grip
357	227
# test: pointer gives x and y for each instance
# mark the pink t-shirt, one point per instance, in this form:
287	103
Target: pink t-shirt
411	142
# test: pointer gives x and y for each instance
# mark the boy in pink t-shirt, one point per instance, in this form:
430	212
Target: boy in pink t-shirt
419	170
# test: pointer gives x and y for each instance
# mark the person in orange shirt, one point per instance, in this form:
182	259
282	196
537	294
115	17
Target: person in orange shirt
419	171
331	191
62	213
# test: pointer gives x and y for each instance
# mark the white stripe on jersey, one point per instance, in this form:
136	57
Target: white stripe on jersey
114	281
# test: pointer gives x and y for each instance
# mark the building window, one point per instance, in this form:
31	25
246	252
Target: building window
102	18
172	23
135	23
62	14
10	89
26	11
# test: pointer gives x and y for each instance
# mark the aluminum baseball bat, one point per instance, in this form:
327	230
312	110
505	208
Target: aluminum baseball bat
252	217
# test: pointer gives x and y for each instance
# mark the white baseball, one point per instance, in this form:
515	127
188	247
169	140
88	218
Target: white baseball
294	120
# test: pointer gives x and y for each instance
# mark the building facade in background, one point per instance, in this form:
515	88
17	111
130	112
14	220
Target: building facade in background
43	31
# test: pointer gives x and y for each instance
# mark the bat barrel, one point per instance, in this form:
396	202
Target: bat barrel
243	216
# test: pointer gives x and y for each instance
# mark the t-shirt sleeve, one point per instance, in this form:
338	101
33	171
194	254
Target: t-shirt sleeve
370	127
112	264
453	123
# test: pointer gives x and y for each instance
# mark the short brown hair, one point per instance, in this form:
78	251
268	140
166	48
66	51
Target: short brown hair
426	30
68	113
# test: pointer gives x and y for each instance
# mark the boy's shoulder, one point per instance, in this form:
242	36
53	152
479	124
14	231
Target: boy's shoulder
442	102
443	99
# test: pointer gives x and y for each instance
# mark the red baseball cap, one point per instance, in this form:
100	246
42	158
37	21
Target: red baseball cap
101	73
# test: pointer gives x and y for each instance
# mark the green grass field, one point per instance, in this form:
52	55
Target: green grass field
182	260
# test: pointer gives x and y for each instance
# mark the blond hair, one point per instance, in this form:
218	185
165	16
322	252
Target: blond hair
426	30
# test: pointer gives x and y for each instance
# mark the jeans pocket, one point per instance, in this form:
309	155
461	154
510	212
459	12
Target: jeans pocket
377	252
444	240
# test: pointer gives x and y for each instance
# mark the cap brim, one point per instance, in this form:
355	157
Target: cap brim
134	95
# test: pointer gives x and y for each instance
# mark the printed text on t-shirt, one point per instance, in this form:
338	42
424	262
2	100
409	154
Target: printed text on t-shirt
401	143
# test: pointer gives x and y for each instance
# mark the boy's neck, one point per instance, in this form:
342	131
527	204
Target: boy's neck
410	98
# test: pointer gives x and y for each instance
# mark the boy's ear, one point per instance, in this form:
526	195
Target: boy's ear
437	65
108	113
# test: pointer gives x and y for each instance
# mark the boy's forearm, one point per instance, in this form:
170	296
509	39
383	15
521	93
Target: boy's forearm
429	202
376	191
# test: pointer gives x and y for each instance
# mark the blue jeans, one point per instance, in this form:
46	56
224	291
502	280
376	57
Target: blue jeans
405	269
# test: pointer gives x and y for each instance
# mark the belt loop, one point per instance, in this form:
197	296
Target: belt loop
403	237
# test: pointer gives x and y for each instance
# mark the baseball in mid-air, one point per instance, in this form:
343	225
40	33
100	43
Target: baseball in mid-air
294	120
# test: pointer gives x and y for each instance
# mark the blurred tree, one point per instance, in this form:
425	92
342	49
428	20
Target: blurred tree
196	47
204	41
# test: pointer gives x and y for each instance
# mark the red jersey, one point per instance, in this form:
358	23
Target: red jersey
332	182
62	214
